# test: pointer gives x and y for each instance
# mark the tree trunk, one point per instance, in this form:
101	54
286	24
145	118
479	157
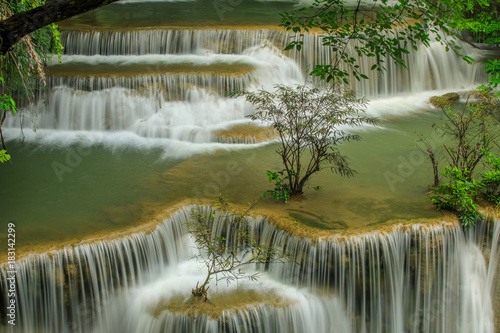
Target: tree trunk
201	292
19	25
435	169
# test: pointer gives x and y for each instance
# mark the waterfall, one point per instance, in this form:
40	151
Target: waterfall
69	290
187	107
428	68
119	109
169	41
172	84
414	278
167	89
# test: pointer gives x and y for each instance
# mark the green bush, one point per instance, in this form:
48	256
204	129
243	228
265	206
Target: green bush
492	68
490	184
6	104
458	195
281	186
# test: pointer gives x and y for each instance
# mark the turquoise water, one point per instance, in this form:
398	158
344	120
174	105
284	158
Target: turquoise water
56	192
53	193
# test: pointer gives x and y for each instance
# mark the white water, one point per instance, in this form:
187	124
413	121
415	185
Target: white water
415	279
180	107
190	107
428	68
151	60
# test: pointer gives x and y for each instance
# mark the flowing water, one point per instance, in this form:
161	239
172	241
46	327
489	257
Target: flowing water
136	117
126	105
411	279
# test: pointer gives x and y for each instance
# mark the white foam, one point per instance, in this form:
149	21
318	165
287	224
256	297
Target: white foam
115	141
153	59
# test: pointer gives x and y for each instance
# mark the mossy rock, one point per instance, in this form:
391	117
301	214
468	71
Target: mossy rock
217	303
446	99
246	133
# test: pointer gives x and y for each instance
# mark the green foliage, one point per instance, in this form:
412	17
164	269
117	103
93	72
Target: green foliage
4	157
23	66
6	101
308	122
57	46
383	30
480	17
221	203
492	68
488	101
490	184
477	16
281	187
458	195
472	132
225	251
379	30
6	104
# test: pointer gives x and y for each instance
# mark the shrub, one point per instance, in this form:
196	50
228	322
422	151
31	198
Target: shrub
309	123
458	195
490	188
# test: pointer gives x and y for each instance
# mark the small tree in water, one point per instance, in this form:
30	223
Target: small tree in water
471	134
310	123
225	248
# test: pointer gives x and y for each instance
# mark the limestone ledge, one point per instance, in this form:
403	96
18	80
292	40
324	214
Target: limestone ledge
154	214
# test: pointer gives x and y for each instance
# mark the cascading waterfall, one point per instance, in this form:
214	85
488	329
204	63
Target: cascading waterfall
142	42
173	86
186	107
412	279
118	109
164	86
122	99
69	290
428	68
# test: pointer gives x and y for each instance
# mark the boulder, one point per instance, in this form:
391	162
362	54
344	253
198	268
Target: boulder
446	99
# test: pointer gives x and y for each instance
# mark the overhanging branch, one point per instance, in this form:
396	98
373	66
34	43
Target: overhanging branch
19	25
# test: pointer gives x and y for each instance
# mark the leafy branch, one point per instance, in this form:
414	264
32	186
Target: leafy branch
226	247
381	31
6	104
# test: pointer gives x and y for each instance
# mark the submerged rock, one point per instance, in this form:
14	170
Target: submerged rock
245	134
219	303
446	99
